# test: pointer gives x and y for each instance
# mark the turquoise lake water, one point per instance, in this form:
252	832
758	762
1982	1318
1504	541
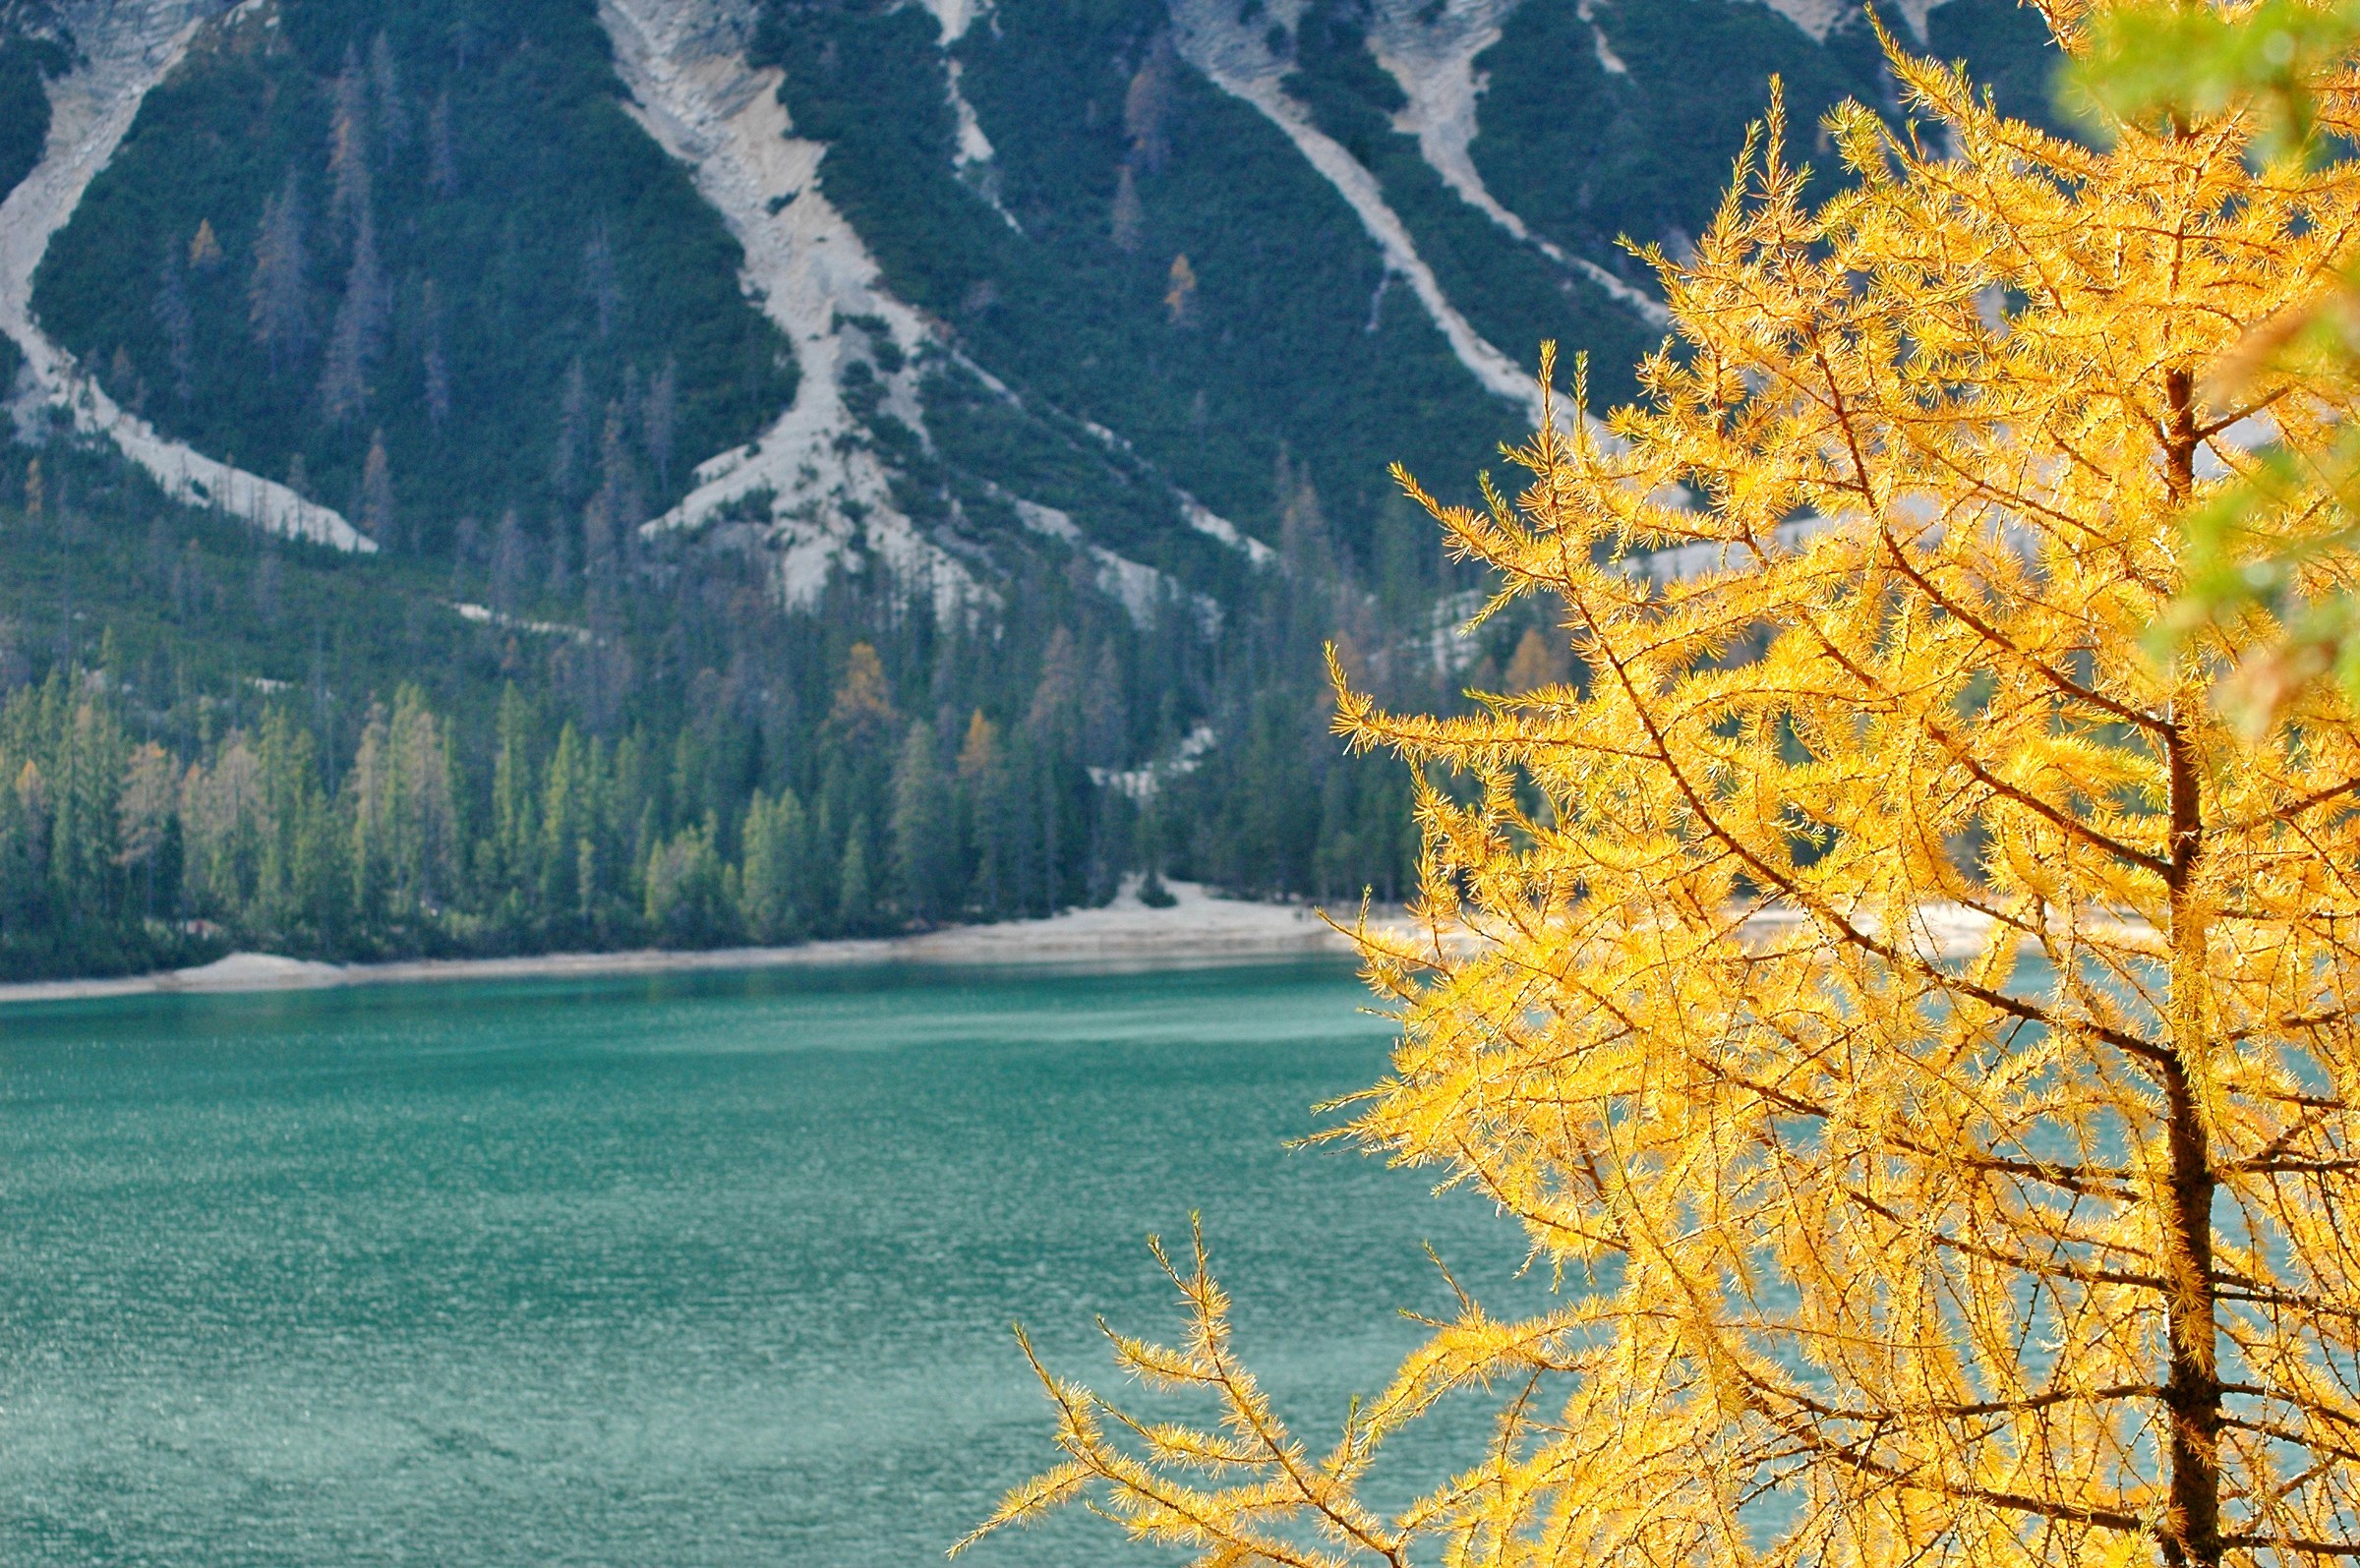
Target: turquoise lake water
691	1271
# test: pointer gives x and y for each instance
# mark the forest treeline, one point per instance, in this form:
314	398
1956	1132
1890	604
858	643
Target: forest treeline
121	854
209	740
118	853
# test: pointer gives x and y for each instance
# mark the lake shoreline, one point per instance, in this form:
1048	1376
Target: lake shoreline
1199	929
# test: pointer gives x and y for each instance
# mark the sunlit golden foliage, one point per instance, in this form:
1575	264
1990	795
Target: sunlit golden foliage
1914	1027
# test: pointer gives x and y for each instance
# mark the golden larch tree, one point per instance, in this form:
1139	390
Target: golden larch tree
1914	1026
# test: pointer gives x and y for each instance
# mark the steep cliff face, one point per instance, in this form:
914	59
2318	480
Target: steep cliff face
992	285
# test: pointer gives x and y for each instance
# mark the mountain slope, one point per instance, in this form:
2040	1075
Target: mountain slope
430	232
102	61
1110	260
804	466
852	468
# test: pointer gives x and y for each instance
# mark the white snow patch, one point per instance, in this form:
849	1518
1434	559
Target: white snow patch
957	16
829	500
1814	17
973	154
1198	516
1137	586
1818	18
1141	589
1237	60
1448	646
485	615
1433	64
1045	520
125	48
973	145
1204	520
1141	783
1607	60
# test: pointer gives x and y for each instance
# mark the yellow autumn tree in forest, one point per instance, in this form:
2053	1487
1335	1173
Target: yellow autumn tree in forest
1914	1026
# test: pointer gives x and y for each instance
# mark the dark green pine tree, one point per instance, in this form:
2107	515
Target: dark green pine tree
856	898
925	848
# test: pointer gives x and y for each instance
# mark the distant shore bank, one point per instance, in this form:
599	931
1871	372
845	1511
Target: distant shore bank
1197	929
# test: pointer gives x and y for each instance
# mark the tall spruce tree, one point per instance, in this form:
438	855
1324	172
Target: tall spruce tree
925	848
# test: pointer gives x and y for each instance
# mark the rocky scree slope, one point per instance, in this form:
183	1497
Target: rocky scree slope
1223	239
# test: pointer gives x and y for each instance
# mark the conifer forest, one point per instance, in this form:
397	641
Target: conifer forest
448	508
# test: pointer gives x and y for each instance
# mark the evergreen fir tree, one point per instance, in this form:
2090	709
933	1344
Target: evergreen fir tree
375	514
278	294
856	898
775	882
925	851
178	324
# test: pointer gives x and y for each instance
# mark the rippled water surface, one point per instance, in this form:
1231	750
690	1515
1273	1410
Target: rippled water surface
710	1271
